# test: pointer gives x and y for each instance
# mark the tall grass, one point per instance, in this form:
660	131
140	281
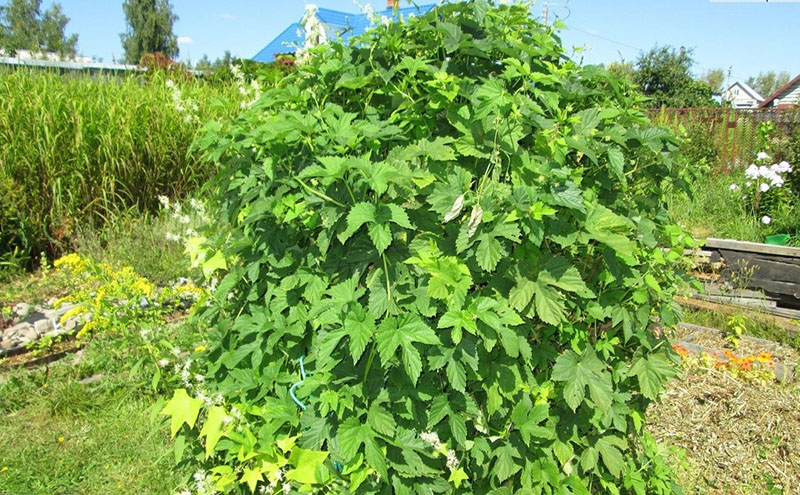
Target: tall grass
75	150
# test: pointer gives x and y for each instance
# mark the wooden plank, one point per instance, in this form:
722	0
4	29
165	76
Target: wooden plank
753	247
764	267
789	324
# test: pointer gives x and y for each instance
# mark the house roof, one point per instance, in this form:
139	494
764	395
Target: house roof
747	89
339	24
778	93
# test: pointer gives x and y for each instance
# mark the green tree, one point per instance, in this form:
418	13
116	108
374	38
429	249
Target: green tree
23	26
768	82
714	79
623	69
149	30
664	75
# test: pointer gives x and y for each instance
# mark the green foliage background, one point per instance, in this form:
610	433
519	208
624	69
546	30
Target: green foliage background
461	237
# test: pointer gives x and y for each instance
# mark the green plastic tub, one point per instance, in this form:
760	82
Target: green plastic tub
778	239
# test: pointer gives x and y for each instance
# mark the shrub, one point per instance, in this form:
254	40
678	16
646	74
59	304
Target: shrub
440	236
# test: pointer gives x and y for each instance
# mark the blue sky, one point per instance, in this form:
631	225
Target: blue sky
751	37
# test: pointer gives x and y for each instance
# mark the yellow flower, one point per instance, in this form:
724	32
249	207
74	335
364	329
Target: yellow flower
60	439
200	348
3	469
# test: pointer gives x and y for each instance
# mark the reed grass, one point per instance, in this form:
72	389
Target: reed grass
78	150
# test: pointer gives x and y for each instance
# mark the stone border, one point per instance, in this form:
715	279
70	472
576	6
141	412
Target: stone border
36	323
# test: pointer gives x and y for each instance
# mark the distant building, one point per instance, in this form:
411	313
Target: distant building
741	95
337	25
787	96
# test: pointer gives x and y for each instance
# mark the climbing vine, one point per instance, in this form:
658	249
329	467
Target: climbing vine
448	247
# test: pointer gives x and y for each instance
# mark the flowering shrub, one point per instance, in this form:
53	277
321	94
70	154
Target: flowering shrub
759	369
112	300
446	245
762	188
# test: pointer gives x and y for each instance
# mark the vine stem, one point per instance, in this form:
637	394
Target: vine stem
317	193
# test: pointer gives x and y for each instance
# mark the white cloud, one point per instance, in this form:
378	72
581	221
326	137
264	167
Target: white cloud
185	40
226	16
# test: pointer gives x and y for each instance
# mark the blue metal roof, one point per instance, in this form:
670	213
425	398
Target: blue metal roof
338	25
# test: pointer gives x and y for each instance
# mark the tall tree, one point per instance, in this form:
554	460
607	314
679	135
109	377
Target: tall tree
664	74
622	69
714	79
23	26
768	82
149	29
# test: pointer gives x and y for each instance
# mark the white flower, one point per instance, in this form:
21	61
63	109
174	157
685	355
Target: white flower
452	460
764	187
766	220
172	237
733	187
199	378
162	363
184	219
432	439
286	488
164	201
752	171
176	351
748	184
762	155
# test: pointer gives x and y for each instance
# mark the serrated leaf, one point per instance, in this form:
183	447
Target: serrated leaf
550	307
611	455
522	293
616	160
360	214
352	435
214	263
569	196
579	372
456	375
652	372
402	332
381	420
380	235
360	326
182	409
458	427
505	466
489	252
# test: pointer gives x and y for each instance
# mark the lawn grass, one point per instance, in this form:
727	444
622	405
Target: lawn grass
100	436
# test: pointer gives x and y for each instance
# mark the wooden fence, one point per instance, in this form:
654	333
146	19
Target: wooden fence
735	131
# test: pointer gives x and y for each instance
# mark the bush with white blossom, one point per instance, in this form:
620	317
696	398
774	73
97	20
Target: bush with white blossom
764	188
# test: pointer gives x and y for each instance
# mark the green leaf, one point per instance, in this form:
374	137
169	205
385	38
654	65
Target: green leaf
579	372
489	252
550	307
212	428
569	196
458	476
652	372
458	427
381	235
617	162
611	455
359	326
251	477
403	332
307	464
381	420
522	293
182	409
360	214
214	263
505	466
352	435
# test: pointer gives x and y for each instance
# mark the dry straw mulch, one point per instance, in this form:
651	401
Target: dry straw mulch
739	437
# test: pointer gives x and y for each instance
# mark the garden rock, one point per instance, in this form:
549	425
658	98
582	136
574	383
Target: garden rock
22	310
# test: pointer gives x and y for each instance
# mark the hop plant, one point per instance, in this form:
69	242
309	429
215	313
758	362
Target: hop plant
447	245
